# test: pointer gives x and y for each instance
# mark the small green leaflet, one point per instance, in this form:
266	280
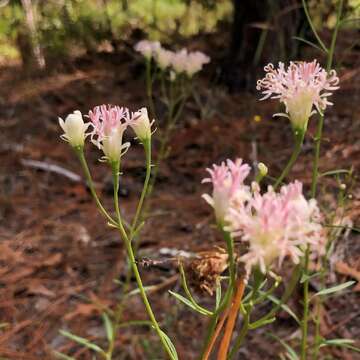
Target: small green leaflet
108	326
290	352
170	345
261	322
335	289
305	277
82	341
187	302
346	343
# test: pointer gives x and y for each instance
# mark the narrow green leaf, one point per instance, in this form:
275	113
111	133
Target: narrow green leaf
188	292
339	342
305	277
137	291
309	43
187	302
171	345
284	307
335	289
290	351
334	172
82	341
62	356
218	295
261	322
345	343
108	326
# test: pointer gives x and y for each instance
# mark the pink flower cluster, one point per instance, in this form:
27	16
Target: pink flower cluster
274	224
300	87
181	61
108	125
228	183
147	48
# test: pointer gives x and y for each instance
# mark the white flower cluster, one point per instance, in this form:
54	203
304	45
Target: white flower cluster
181	62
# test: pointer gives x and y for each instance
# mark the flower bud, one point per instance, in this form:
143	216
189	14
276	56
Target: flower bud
74	129
113	146
263	170
141	124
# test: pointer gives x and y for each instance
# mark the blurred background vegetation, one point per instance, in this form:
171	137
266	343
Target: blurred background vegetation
46	32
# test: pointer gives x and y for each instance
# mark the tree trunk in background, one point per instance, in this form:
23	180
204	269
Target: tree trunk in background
261	29
31	25
243	42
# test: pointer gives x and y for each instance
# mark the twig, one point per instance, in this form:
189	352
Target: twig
216	334
42	165
224	346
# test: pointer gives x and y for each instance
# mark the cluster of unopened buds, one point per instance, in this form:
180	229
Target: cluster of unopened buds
106	128
178	62
274	224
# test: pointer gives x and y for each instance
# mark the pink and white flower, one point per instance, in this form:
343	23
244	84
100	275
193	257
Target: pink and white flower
196	61
276	225
74	129
179	61
300	87
228	185
141	124
189	62
164	58
147	48
109	123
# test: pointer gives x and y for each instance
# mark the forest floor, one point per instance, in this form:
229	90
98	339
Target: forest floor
58	260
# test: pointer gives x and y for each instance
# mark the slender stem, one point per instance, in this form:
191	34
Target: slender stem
243	332
319	131
133	230
149	84
138	213
305	320
212	334
230	250
230	324
299	138
313	26
215	331
81	156
315	176
135	270
285	297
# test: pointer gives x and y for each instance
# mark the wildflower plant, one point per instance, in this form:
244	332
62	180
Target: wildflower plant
174	72
106	129
274	224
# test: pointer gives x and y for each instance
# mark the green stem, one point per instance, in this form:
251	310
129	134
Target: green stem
299	138
314	182
287	293
133	231
243	332
313	27
230	250
305	320
149	84
81	156
214	318
132	260
258	278
138	213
